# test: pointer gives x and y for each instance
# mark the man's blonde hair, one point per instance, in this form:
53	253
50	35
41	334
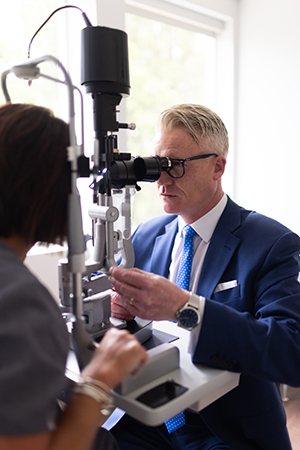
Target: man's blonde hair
197	119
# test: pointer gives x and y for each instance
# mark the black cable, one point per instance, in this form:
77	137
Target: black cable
85	18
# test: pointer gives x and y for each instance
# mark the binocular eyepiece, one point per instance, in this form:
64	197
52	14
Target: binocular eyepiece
125	172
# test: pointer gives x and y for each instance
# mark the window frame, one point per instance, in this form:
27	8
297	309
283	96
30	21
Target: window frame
217	16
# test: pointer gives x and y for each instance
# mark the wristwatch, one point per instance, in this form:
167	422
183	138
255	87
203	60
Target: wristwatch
188	316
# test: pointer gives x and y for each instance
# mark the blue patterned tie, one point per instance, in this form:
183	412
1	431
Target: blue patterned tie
183	280
186	260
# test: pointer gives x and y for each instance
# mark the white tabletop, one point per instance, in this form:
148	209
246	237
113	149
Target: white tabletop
168	361
204	384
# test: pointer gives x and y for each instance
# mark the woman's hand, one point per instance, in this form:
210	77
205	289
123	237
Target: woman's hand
119	354
117	308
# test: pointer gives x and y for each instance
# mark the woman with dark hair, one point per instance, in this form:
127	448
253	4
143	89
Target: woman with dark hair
34	343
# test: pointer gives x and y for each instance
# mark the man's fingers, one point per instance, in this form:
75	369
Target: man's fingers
133	277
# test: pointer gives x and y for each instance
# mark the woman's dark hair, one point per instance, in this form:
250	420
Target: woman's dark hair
34	174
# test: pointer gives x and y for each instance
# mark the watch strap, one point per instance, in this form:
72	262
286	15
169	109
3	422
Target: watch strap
194	303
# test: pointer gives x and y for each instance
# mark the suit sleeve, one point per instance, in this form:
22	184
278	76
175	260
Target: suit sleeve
261	338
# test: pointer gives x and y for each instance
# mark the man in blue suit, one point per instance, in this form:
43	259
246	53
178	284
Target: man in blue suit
243	300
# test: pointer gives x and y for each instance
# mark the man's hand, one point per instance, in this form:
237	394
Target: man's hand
146	295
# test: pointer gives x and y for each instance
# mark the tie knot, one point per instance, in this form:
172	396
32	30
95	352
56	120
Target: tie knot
188	232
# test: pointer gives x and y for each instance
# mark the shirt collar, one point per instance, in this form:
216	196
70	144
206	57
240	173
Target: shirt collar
206	225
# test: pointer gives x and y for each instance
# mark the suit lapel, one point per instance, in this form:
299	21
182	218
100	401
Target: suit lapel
220	251
162	250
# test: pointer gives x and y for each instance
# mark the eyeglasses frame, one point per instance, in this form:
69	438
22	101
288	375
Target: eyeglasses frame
182	161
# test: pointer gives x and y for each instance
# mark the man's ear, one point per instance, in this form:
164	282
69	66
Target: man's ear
220	164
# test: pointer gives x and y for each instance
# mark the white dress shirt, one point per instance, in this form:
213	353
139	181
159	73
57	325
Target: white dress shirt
205	226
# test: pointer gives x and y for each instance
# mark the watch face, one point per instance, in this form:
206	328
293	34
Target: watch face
188	318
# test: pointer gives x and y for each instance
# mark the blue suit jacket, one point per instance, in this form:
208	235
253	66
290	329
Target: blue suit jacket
253	328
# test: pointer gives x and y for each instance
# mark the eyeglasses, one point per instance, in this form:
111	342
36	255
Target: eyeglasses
177	168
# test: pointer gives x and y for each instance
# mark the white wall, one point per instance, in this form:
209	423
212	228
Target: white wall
268	114
45	267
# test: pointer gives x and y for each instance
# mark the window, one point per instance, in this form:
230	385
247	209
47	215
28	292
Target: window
19	21
60	37
168	65
172	53
172	60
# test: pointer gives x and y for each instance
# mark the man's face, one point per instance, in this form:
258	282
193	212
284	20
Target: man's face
199	190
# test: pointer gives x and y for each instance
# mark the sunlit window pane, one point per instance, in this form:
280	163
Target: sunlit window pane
168	65
18	22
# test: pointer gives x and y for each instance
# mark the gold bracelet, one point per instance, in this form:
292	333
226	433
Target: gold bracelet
96	390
